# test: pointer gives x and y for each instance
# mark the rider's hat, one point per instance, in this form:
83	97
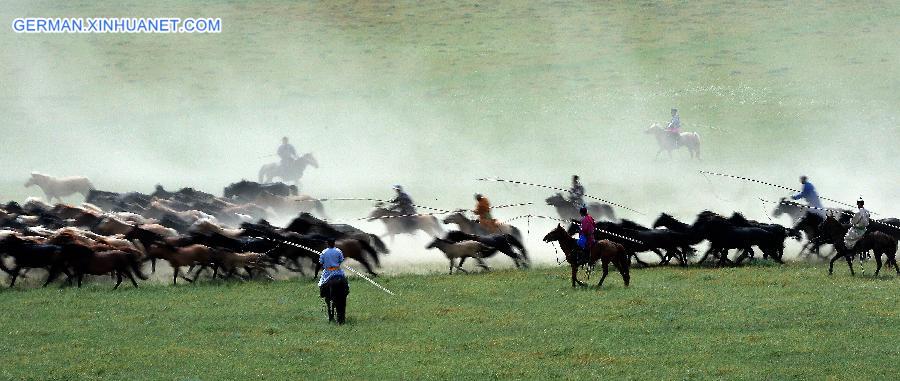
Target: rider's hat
398	187
860	201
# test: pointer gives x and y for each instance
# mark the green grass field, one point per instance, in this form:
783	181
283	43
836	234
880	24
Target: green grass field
757	322
431	95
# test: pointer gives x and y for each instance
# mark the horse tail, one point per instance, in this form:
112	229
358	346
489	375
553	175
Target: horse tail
371	250
378	243
518	245
515	232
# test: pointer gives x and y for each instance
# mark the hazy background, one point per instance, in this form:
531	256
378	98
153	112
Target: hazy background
432	95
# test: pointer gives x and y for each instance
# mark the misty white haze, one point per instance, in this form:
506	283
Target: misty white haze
435	110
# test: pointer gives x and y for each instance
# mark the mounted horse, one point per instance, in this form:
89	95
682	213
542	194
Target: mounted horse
473	227
605	251
833	231
396	223
290	172
667	142
569	211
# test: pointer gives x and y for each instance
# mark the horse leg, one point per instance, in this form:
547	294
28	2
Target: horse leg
662	258
831	263
575	280
153	265
175	270
849	259
80	278
451	266
12	276
623	269
118	279
131	277
482	264
605	265
877	262
368	267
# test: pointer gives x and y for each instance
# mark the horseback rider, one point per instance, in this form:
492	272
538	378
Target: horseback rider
809	194
674	127
483	211
586	234
333	285
286	152
858	225
403	204
576	192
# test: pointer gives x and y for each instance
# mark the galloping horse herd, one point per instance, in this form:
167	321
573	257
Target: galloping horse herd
125	234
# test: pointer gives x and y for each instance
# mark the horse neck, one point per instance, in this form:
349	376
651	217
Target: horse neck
567	244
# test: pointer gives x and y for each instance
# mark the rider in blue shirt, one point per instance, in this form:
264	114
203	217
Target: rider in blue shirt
811	196
333	285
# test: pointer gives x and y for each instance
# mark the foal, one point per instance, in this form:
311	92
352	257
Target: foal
461	250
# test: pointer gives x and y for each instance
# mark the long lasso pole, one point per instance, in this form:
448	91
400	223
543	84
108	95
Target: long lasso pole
342	265
559	189
771	185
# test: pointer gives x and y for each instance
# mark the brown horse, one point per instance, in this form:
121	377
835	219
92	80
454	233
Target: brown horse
177	257
604	250
83	260
832	231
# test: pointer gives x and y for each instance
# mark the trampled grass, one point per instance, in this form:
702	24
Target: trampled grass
756	322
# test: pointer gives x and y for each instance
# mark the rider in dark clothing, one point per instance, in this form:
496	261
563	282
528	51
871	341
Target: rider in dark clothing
286	152
576	192
403	204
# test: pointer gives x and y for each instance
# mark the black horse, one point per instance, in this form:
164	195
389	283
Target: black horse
781	232
833	232
335	291
29	255
307	224
810	225
504	243
723	236
248	191
638	238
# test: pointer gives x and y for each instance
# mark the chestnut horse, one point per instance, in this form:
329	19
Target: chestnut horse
604	250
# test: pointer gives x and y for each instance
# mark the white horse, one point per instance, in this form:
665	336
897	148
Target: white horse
291	172
667	143
58	188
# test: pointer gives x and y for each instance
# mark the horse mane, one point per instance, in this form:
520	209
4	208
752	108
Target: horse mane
629	224
739	218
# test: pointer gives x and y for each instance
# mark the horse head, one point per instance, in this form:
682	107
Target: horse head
436	243
654	128
457	217
664	219
556	234
555	199
310	159
34	179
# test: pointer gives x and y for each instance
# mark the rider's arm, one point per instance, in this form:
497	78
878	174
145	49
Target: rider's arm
803	193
